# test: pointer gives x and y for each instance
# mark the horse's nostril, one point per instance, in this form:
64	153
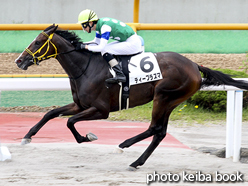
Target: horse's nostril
18	61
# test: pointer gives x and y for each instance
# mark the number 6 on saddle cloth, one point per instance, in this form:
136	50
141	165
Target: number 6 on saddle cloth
140	68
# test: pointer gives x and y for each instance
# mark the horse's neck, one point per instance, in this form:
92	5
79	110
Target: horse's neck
72	63
76	63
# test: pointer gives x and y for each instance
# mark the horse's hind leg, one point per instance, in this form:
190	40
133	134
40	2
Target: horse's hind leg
155	126
70	109
162	108
157	138
159	130
129	142
163	105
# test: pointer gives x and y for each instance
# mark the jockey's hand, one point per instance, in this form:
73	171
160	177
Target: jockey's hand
80	46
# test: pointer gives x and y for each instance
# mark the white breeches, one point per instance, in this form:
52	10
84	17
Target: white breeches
131	46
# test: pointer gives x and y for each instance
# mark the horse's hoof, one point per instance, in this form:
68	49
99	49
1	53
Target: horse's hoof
118	150
25	141
130	168
91	136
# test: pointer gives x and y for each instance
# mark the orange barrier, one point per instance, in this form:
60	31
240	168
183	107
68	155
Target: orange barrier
191	26
136	11
136	26
38	26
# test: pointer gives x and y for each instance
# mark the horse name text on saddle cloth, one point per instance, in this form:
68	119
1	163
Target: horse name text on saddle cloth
144	68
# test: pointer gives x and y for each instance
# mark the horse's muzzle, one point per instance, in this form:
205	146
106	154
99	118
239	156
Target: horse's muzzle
23	64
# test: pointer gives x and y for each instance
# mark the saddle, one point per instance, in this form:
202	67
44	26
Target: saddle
124	92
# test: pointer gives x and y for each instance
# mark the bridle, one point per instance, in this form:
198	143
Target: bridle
38	59
49	42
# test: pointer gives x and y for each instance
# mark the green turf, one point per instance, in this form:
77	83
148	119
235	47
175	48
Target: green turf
37	98
204	41
181	41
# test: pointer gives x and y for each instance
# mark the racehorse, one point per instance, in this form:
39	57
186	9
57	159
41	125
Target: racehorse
93	99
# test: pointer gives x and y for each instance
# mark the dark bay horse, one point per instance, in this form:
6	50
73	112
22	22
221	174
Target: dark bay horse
94	100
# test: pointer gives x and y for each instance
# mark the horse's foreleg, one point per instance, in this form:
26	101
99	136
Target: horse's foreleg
70	109
91	113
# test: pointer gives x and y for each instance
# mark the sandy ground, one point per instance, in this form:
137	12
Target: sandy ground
51	66
90	164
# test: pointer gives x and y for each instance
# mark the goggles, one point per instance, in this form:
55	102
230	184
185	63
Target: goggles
85	25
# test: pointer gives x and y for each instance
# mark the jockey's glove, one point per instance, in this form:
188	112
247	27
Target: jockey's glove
80	46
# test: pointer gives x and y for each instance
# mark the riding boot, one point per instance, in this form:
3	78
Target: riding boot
120	77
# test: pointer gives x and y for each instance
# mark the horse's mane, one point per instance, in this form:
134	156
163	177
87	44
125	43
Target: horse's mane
70	36
73	38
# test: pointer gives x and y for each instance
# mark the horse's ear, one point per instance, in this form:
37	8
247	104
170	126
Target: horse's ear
51	29
56	27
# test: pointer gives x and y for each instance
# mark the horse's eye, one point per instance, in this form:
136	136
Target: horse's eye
37	42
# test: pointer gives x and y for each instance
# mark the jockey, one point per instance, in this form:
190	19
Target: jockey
126	40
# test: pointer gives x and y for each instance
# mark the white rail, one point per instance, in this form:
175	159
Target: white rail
23	84
234	104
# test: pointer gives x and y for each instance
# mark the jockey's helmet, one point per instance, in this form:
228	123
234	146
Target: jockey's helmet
87	16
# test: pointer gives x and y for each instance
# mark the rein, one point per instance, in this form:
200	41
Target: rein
36	60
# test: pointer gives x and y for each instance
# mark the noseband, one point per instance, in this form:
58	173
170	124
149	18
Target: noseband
36	60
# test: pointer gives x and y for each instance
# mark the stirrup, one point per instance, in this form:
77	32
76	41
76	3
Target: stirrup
116	80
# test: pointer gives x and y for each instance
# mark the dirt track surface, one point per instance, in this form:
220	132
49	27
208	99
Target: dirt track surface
51	66
91	164
8	66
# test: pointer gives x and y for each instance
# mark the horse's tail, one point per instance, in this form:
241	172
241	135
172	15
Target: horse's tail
214	77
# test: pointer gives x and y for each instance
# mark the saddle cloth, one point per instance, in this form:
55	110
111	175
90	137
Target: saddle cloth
140	68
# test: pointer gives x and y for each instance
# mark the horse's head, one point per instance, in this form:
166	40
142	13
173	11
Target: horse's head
40	49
